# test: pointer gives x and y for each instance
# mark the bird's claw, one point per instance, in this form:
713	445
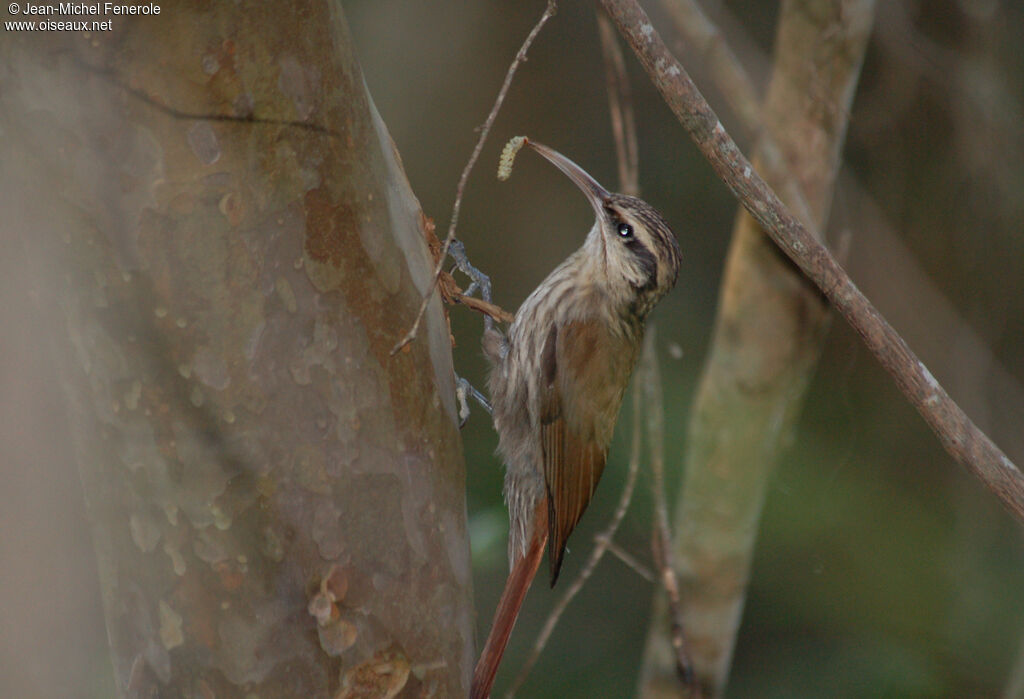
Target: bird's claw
464	390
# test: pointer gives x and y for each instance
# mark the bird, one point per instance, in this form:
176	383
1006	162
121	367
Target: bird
558	377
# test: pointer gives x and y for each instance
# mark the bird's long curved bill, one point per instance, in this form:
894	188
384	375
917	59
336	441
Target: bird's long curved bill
595	193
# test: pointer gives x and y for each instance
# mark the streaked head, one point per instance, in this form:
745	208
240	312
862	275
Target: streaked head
637	243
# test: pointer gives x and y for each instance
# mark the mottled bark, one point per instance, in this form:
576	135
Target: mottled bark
766	343
213	202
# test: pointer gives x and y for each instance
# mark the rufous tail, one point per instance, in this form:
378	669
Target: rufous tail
519	579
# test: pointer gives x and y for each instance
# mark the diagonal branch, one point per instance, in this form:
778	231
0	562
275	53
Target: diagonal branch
957	433
737	87
723	66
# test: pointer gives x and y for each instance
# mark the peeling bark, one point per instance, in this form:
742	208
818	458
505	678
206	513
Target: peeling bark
216	207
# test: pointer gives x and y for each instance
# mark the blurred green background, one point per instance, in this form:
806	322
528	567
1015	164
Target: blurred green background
882	569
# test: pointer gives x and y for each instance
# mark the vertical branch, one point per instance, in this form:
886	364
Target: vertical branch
620	107
624	130
767	338
661	540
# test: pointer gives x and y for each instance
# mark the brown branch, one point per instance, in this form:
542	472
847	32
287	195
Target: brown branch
451	292
769	330
698	31
620	107
488	309
737	87
485	130
624	130
628	559
706	40
958	435
602	543
661	540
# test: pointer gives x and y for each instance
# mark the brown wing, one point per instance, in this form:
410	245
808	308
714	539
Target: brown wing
584	385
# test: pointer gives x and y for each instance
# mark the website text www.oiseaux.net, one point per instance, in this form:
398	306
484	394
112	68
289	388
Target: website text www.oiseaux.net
71	16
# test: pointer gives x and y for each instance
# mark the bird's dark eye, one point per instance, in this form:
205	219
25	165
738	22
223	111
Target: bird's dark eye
625	230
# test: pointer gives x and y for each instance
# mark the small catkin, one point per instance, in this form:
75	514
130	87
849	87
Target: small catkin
508	154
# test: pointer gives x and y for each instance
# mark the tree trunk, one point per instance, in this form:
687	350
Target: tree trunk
767	339
211	199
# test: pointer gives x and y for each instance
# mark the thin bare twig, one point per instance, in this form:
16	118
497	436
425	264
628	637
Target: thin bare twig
620	107
602	542
661	541
628	559
485	130
956	432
